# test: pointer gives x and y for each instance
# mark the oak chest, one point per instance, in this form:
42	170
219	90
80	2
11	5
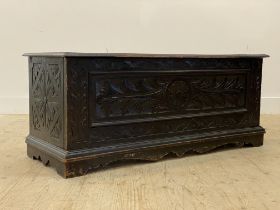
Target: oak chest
88	110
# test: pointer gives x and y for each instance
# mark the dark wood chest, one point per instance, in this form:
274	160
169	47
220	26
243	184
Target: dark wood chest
88	110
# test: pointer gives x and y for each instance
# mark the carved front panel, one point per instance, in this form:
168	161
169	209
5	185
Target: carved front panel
128	98
123	100
129	107
46	95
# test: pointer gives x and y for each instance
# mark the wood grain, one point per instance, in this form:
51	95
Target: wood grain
244	178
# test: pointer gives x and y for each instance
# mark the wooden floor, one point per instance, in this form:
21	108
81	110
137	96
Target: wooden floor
246	178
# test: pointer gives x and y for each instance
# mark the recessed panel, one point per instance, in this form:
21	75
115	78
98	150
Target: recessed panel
135	97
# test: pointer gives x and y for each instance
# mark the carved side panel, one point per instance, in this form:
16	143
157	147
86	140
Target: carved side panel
46	99
252	118
256	89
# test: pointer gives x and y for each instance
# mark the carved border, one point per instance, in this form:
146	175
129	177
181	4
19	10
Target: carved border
77	104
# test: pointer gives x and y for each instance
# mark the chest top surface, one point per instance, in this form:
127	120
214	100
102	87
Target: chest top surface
139	55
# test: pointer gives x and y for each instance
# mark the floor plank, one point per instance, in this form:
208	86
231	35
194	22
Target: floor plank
245	178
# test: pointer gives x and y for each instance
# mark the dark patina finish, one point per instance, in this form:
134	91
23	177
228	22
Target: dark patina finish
88	110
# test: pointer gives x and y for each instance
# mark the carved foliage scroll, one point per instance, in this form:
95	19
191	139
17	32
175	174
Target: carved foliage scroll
139	97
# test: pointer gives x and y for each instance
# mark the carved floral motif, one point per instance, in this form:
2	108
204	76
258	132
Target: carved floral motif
46	87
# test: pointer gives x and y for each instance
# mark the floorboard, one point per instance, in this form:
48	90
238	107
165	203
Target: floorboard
243	178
